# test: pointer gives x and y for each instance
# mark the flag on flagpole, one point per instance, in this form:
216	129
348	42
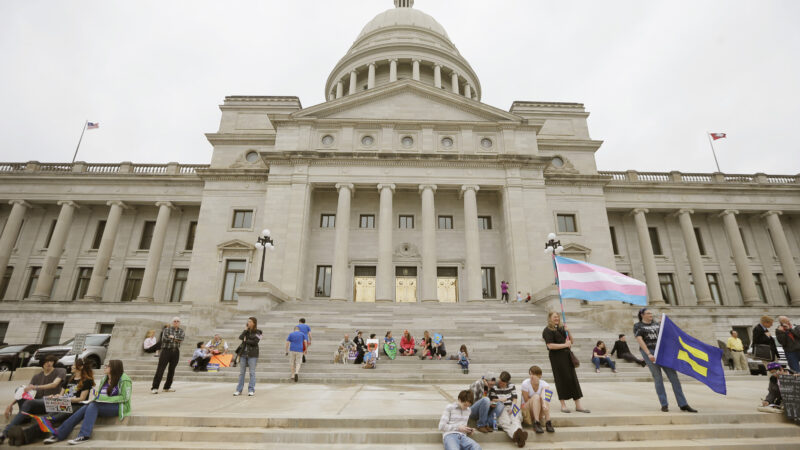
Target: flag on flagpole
93	125
716	136
690	356
584	281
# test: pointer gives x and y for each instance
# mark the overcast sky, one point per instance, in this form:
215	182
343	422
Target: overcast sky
655	75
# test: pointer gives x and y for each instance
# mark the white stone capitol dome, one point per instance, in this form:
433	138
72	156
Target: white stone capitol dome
402	43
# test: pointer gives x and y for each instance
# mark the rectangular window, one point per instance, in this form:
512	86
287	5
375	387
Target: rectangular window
3	331
484	222
4	282
667	288
744	242
566	223
614	245
655	241
327	221
760	287
190	236
234	275
147	235
84	275
445	222
367	221
323	283
133	283
179	284
242	218
98	234
488	282
713	285
406	222
782	283
52	334
50	233
33	279
105	328
700	244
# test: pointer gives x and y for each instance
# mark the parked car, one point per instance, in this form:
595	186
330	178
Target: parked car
14	356
93	354
759	367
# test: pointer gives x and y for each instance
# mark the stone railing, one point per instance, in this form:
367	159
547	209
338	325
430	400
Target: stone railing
122	168
632	176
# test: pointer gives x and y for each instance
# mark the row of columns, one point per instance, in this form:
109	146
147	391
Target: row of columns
415	75
746	279
58	240
384	271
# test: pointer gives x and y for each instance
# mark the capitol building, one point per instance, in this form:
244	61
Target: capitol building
403	186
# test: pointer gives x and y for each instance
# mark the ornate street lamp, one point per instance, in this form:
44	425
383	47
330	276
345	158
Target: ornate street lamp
553	247
263	243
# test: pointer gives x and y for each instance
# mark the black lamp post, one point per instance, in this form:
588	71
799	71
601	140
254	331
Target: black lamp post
263	243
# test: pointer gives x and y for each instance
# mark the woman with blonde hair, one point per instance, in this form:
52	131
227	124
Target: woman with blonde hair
151	344
559	342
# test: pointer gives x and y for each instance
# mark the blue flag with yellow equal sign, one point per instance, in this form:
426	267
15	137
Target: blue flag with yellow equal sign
677	350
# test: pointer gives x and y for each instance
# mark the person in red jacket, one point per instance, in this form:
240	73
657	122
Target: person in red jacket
407	344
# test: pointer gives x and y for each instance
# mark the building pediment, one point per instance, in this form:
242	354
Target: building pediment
236	247
407	100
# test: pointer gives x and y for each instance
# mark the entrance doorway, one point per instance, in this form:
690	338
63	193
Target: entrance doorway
405	287
364	284
447	284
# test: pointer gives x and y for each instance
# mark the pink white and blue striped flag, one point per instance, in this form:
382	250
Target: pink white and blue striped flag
584	281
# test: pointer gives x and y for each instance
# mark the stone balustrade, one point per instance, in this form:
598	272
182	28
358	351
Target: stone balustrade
123	168
633	176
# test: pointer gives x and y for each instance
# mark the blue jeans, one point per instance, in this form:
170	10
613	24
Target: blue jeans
88	415
459	441
793	360
597	360
658	379
464	363
243	364
480	412
497	410
28	406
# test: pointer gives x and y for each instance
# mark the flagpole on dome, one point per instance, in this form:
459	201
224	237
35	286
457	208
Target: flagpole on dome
715	136
553	247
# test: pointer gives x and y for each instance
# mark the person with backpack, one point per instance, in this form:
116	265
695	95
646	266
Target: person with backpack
250	338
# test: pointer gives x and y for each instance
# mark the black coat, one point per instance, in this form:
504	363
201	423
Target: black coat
760	338
250	340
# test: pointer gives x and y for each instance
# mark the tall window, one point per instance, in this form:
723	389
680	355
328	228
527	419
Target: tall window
445	222
178	285
488	282
484	222
4	282
323	284
3	331
655	241
367	221
782	283
84	275
327	221
713	285
667	288
406	222
700	244
133	283
234	275
242	218
33	279
52	334
566	223
190	235
614	245
147	235
50	233
98	234
760	287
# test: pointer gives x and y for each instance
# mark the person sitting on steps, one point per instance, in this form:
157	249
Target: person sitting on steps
463	359
600	356
217	345
622	351
505	393
426	346
536	395
342	353
453	424
200	359
482	405
407	347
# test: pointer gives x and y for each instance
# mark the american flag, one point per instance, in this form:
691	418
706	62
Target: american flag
92	125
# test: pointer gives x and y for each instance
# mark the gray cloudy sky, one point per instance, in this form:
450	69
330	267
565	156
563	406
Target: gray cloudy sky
655	75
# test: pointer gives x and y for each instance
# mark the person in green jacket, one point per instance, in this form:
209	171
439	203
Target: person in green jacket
114	399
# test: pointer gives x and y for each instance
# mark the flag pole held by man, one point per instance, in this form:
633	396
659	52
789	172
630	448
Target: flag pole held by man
679	351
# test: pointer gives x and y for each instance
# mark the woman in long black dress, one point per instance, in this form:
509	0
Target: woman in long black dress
361	348
559	343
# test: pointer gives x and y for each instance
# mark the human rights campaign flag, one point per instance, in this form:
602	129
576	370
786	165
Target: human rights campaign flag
689	356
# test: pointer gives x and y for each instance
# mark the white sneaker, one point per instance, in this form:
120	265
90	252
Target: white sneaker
50	440
250	394
236	394
154	391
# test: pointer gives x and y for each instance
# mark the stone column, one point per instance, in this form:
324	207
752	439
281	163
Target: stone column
415	70
371	76
55	250
11	232
473	260
385	284
392	70
339	89
437	76
428	243
784	255
454	82
746	280
353	82
95	290
648	259
467	91
154	254
701	288
341	244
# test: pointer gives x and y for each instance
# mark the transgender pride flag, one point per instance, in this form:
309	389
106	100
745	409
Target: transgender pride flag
584	281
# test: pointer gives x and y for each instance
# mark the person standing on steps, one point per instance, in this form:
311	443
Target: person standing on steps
171	338
250	338
294	350
646	332
789	337
559	344
504	291
761	336
361	347
623	351
306	330
736	347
